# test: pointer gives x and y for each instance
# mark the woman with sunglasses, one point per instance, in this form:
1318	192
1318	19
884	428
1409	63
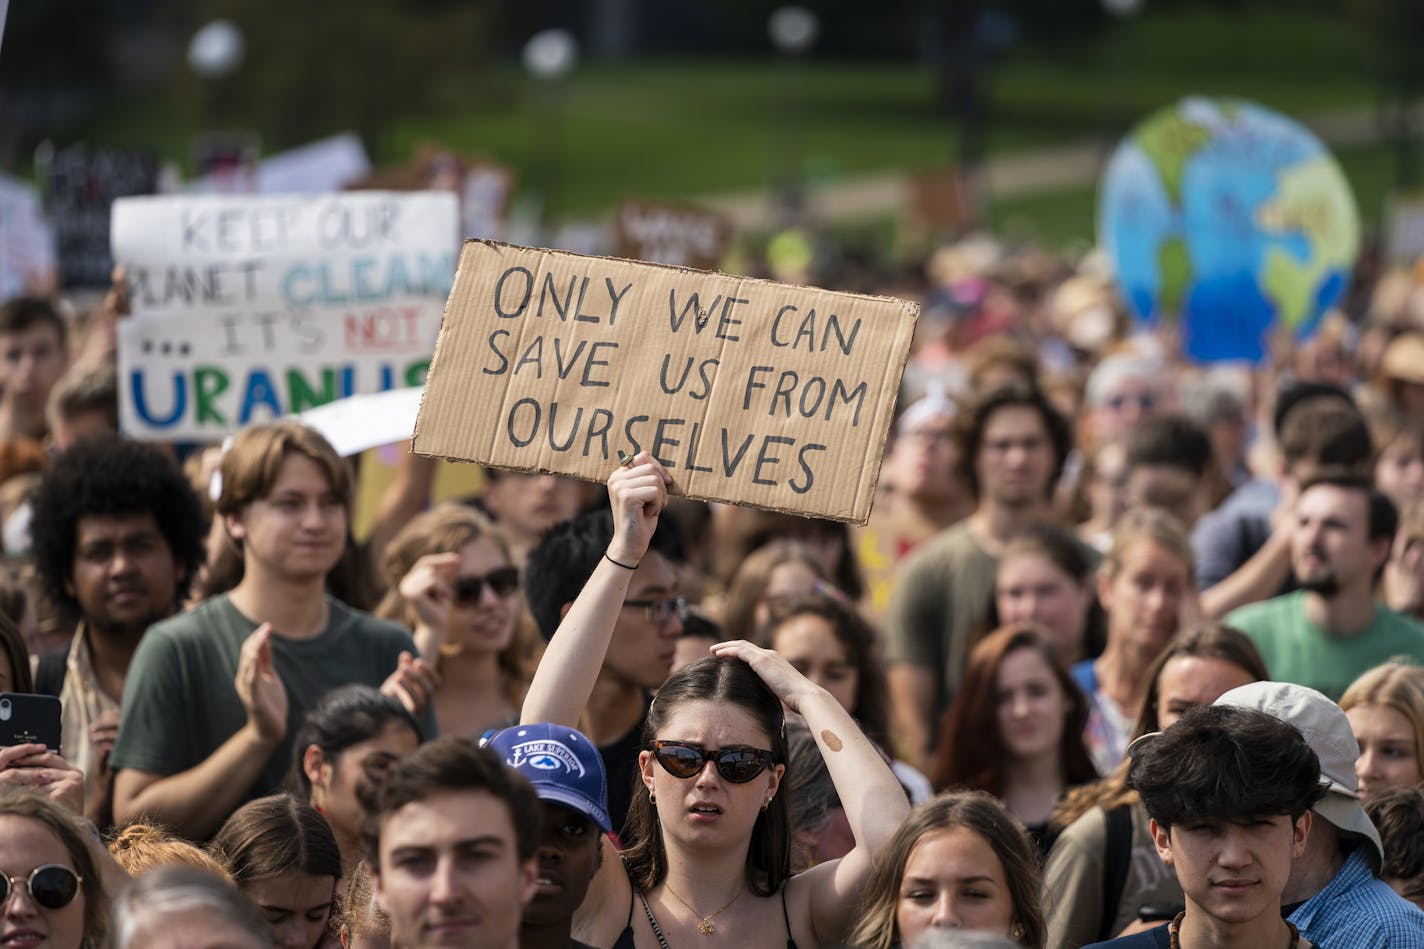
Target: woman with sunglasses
51	893
455	585
712	862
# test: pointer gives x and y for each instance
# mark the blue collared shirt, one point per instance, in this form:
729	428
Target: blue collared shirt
1357	908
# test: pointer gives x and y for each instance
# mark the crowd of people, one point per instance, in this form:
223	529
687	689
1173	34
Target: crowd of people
1130	653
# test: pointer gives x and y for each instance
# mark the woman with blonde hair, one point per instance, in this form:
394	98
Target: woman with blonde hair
50	883
959	861
455	585
1385	706
1147	591
140	848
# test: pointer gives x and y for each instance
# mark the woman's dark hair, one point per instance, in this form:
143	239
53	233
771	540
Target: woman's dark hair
14	651
343	717
728	682
1209	641
978	812
275	835
66	828
1074	559
1222	762
872	695
971	751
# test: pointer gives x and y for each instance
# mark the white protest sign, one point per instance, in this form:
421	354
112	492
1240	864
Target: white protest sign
749	391
253	307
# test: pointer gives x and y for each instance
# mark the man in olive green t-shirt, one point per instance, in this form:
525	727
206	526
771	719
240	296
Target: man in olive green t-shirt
1333	629
213	695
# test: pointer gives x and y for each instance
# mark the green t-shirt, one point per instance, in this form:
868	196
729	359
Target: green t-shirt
941	601
180	704
1296	650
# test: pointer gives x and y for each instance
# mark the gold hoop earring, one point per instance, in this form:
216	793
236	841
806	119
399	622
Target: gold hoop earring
652	798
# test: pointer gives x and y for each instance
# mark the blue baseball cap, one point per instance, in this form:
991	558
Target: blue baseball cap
562	764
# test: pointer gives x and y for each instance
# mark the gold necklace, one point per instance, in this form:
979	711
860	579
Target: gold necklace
705	927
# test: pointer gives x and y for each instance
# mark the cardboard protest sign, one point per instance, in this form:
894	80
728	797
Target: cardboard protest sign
81	184
676	234
247	308
749	391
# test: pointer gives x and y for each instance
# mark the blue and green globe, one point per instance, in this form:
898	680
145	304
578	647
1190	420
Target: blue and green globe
1227	220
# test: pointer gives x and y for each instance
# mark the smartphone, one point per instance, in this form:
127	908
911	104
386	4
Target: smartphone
29	719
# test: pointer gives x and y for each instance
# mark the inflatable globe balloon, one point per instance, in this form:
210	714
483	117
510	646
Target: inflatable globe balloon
1230	222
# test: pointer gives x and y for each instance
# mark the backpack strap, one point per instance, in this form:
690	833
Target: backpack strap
51	671
1118	854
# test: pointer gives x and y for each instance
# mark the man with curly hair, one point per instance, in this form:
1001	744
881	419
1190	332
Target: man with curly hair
117	535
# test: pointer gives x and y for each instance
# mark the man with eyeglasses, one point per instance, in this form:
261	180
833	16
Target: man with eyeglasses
644	642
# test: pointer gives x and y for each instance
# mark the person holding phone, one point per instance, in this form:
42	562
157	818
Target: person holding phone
117	537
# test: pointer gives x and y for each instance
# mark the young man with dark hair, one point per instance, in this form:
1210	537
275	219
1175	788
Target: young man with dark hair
1168	457
1243	547
32	358
644	640
215	695
567	773
450	836
1012	446
1334	894
117	535
1331	630
1229	792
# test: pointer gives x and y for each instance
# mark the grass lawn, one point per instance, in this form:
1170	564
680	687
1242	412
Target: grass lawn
681	128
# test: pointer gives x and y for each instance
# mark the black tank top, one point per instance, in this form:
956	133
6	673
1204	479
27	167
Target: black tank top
625	938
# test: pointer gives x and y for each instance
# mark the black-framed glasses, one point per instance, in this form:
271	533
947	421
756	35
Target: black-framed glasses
503	582
51	886
660	611
737	764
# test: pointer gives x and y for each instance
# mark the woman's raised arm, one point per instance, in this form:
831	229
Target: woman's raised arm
566	674
875	804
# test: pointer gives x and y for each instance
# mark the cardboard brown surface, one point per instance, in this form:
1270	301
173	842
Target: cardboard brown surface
756	393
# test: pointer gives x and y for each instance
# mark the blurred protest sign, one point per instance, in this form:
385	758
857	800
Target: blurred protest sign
26	240
751	392
676	234
941	203
326	165
250	308
81	184
226	163
1404	228
1227	221
484	187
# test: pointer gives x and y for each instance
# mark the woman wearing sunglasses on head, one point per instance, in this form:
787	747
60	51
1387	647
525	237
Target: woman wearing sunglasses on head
51	894
711	867
454	583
